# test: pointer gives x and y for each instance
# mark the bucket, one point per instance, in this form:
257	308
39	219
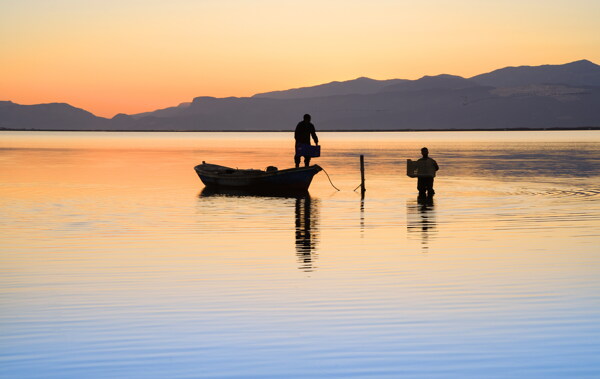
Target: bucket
415	169
308	151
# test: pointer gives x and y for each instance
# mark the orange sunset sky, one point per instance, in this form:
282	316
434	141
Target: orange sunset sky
131	56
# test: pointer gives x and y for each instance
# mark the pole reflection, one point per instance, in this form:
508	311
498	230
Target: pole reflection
420	219
362	217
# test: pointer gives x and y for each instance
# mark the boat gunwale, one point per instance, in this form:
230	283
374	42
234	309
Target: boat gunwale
250	173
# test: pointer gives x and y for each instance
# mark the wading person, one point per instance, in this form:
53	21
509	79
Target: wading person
427	168
304	130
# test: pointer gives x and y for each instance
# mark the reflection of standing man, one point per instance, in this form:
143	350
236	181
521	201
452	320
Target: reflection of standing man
304	130
426	169
420	219
306	232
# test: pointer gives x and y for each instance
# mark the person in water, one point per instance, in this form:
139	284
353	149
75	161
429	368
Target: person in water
427	168
304	130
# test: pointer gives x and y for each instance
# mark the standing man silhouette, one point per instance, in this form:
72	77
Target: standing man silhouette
304	130
427	168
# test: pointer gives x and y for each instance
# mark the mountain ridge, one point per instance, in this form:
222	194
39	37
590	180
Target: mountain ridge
548	96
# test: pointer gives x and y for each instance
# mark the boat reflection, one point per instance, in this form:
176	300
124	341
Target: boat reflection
420	219
235	192
306	219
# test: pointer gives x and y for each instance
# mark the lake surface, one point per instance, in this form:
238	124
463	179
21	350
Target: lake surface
115	264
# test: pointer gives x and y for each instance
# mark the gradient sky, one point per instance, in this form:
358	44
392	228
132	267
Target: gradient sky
131	56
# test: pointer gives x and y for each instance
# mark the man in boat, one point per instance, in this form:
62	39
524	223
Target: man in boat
304	130
427	168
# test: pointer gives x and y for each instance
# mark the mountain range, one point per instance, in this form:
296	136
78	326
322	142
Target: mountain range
526	97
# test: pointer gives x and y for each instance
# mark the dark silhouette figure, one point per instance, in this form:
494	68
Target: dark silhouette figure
304	130
306	239
427	169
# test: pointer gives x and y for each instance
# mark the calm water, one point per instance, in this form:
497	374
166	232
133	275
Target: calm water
115	264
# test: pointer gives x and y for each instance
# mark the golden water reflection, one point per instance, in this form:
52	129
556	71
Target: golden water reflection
111	260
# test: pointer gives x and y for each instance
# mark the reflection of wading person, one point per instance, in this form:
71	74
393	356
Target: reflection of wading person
304	130
427	168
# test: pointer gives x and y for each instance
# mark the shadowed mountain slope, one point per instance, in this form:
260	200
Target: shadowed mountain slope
579	73
432	82
466	108
359	86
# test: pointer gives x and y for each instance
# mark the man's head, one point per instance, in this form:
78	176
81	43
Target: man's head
424	152
307	117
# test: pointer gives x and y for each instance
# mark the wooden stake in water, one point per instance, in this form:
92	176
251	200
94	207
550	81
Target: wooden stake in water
362	175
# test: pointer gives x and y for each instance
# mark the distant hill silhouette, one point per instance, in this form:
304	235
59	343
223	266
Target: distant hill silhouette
53	116
551	96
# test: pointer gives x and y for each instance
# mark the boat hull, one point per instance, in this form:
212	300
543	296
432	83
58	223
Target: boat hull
280	181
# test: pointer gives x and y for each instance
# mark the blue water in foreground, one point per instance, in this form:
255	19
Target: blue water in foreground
115	264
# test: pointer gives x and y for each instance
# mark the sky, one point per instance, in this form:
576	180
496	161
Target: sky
132	56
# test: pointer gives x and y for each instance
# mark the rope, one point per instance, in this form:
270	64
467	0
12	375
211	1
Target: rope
357	187
330	179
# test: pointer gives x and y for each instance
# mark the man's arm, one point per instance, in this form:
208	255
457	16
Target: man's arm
313	133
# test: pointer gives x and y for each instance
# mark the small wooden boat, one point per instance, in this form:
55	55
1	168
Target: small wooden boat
271	180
